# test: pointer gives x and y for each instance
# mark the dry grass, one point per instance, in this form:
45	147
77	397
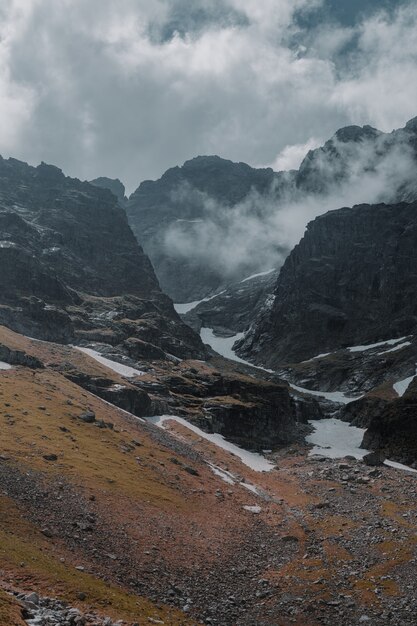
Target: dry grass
30	561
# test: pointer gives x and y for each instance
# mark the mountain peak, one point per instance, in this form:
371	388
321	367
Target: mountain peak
356	133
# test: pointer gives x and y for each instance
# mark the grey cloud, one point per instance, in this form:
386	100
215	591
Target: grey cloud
84	86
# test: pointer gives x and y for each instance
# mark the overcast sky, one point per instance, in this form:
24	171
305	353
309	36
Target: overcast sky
128	88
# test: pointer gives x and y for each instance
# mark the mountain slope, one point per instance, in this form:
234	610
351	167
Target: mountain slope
72	267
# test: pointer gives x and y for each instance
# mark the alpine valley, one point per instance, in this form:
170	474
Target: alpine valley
246	456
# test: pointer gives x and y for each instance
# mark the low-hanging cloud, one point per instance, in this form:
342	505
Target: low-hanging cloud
257	233
127	88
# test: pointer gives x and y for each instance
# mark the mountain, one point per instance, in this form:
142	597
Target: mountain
166	214
72	268
350	281
114	185
212	222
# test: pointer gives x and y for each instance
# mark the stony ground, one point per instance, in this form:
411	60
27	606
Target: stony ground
130	524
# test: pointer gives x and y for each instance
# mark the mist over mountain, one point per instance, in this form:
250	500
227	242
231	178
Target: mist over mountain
213	222
208	371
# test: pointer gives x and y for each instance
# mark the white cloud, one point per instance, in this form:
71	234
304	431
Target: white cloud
84	83
290	157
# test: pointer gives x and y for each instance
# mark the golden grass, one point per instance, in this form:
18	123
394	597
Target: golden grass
33	409
28	560
9	611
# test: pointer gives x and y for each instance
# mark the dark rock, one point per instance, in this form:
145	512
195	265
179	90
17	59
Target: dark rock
72	268
88	417
374	459
50	457
340	286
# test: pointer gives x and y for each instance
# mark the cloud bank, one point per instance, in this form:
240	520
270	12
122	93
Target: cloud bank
127	88
258	233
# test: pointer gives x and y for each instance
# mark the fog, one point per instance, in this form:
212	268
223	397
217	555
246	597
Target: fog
258	233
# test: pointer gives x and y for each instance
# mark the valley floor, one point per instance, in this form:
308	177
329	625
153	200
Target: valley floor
156	523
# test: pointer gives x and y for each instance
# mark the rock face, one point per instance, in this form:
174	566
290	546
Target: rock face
112	184
394	430
233	310
200	193
71	267
192	216
351	280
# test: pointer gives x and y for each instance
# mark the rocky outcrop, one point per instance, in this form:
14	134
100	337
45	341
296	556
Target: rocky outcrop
393	430
18	357
233	310
351	280
112	184
72	268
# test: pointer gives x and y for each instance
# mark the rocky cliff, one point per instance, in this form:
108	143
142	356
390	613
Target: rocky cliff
72	268
351	280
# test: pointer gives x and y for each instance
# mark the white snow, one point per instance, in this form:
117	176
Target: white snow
400	347
388	342
319	356
123	370
189	306
334	396
402	385
224	345
258	275
253	509
335	439
251	488
254	461
5	366
227	477
400	466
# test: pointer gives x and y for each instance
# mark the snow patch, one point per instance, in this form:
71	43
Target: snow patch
258	275
254	461
227	477
333	396
402	385
253	509
400	347
224	346
251	488
335	439
388	342
319	356
5	366
181	309
123	370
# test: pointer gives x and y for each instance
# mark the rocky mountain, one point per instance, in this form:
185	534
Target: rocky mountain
350	281
165	214
74	273
232	310
114	185
212	222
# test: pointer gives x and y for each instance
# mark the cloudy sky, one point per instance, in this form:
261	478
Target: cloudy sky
128	88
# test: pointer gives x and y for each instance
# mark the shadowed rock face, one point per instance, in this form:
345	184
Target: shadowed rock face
71	266
351	280
393	430
114	185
